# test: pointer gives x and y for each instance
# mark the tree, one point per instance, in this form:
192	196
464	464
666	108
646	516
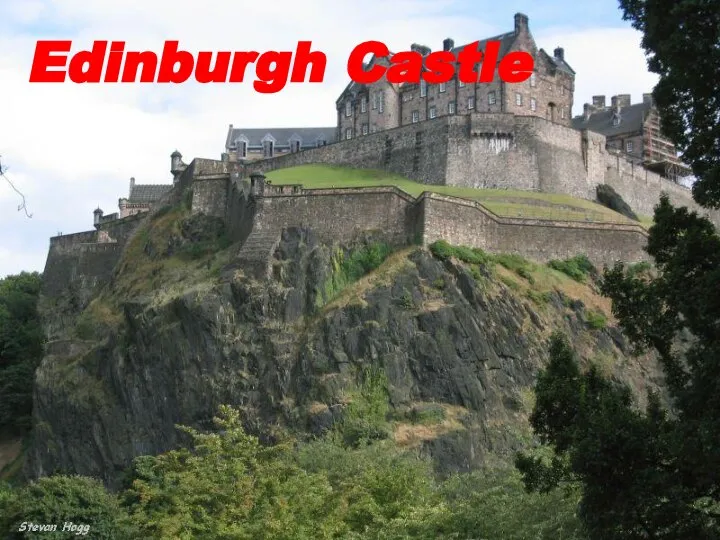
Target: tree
682	41
21	347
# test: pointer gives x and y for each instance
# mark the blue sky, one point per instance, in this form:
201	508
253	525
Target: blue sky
70	148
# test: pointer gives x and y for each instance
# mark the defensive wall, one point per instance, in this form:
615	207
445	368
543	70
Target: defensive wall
496	150
255	207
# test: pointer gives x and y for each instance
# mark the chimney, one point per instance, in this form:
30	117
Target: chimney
623	100
648	99
559	53
598	102
521	23
587	111
422	49
132	185
448	44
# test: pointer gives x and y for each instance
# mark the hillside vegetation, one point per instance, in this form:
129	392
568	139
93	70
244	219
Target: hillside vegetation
503	202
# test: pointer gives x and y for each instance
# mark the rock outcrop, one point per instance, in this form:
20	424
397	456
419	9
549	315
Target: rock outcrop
172	338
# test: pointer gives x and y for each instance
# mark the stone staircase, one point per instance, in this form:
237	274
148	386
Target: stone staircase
255	254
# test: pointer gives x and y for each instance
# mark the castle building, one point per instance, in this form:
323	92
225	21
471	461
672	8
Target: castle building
633	130
366	108
260	143
141	198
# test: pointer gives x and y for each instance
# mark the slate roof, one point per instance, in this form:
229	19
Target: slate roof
631	120
307	136
148	193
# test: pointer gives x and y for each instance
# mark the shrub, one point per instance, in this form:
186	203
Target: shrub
444	251
578	267
516	263
596	320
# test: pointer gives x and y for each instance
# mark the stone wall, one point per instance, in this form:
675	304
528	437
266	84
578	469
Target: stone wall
339	214
418	151
463	222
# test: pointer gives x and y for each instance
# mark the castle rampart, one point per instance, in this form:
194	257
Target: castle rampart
496	150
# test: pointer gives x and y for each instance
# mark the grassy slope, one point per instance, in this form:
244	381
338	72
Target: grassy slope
506	203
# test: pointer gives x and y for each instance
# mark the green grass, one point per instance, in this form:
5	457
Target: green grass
505	203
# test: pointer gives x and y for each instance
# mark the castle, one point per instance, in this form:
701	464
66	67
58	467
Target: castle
539	148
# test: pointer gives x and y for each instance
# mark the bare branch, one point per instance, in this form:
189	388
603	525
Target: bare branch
21	206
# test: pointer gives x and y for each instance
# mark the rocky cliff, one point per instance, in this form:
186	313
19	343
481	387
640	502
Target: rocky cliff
181	329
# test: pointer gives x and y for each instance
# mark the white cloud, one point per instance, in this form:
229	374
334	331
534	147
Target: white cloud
71	147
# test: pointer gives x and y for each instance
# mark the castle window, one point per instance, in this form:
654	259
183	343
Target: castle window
364	129
471	102
415	117
423	88
433	112
629	147
382	102
533	104
348	109
363	105
451	107
533	80
348	133
374	100
491	98
518	99
443	86
294	146
562	113
242	149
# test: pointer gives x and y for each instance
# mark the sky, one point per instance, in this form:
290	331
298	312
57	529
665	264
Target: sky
69	148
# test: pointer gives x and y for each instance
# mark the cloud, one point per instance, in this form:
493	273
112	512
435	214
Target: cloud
73	147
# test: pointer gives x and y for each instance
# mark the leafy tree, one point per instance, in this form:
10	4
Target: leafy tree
682	41
21	348
229	486
58	499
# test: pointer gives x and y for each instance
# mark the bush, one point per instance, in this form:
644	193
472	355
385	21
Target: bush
79	500
516	263
444	251
578	267
596	320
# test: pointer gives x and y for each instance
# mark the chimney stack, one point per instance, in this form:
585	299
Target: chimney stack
598	102
521	23
559	53
587	111
448	44
422	49
623	100
615	103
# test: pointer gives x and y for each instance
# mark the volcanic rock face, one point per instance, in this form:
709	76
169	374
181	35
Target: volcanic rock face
285	349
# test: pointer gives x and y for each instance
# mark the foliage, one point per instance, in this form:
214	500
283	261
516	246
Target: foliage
677	34
347	268
578	267
596	320
365	417
21	348
60	499
634	483
444	251
230	486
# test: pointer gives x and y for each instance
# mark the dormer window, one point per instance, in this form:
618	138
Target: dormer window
295	145
320	142
241	146
616	120
268	143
